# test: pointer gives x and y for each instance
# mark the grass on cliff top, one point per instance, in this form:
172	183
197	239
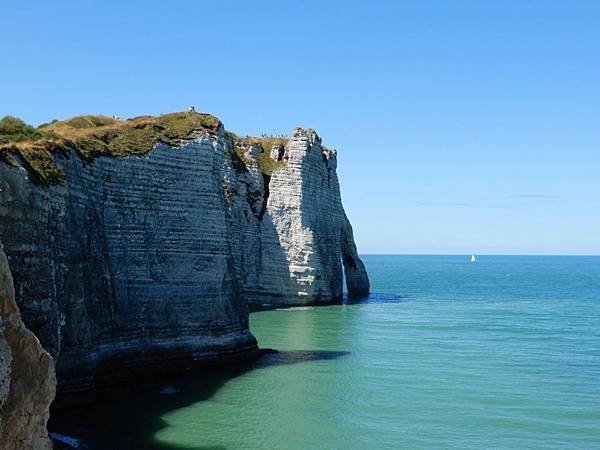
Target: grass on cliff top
266	164
93	136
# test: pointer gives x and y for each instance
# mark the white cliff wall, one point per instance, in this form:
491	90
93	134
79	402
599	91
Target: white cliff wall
133	258
304	232
151	259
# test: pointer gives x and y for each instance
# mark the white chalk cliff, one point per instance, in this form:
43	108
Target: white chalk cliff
305	235
153	259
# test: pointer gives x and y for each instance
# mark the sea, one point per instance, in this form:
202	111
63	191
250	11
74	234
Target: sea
444	354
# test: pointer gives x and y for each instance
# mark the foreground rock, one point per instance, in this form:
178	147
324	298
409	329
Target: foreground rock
151	260
27	380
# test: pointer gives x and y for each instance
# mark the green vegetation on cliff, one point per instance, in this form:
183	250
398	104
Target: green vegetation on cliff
15	130
92	136
266	164
95	135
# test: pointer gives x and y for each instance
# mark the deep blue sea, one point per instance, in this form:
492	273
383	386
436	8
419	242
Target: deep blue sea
445	354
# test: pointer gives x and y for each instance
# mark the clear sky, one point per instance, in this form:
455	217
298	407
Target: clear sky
461	126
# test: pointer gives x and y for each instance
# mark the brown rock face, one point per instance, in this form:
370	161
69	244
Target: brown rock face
27	379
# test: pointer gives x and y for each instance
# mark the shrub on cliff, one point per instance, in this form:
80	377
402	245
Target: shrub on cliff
13	129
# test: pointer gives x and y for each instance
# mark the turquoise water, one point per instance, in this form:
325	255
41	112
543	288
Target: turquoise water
503	353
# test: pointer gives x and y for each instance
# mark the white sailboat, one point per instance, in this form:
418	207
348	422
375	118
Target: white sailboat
473	259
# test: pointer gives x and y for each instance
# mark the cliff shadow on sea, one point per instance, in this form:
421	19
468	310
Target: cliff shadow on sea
128	416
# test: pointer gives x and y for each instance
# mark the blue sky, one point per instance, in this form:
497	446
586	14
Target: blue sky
461	126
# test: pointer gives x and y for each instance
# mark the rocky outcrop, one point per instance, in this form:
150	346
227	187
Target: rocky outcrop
153	259
27	379
305	235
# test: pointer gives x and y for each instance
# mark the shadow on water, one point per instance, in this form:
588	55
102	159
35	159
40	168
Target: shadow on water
127	417
380	298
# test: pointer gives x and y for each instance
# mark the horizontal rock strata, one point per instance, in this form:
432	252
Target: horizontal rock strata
153	258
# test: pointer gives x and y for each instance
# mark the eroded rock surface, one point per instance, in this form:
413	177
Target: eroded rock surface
27	380
305	235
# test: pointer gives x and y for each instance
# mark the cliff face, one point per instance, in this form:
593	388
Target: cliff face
144	259
27	380
305	235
